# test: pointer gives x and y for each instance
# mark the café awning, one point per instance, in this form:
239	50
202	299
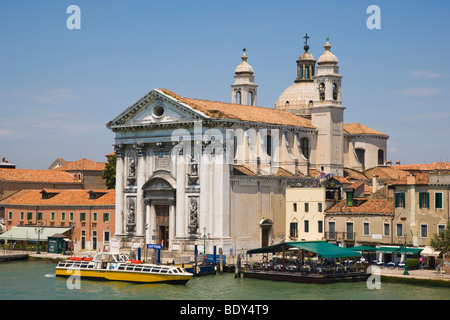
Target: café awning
29	234
321	248
363	248
410	250
387	249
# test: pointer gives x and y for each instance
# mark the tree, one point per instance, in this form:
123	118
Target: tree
441	242
109	173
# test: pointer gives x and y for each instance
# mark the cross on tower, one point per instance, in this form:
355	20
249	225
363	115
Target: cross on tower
306	37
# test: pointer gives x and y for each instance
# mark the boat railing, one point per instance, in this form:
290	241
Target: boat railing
307	268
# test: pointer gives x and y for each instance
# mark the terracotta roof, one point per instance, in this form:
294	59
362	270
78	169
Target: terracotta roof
358	128
225	110
241	170
417	178
386	173
63	197
28	175
424	167
341	179
82	165
380	206
351	174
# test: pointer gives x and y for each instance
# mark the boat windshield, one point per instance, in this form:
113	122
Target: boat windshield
111	257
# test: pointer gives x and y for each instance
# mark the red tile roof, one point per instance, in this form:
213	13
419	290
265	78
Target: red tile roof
358	128
62	198
28	175
225	110
82	165
369	206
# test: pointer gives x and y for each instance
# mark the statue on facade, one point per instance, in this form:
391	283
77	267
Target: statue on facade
193	215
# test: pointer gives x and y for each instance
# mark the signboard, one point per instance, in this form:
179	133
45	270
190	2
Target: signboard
211	258
154	246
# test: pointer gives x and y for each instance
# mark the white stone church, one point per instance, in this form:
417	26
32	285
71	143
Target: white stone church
197	172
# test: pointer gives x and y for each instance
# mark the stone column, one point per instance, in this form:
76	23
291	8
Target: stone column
140	181
172	222
119	208
148	231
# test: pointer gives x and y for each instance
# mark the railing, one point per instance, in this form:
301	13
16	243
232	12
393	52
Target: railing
346	236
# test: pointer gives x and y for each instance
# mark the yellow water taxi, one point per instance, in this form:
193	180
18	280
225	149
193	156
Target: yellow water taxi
118	267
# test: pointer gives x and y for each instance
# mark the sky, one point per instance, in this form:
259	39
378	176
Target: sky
60	86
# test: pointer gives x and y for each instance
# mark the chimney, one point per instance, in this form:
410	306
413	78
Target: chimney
411	179
389	163
375	185
397	162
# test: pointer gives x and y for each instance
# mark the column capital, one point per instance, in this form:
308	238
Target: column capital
141	148
119	148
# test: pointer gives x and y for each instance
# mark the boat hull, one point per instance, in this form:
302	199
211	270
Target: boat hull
114	275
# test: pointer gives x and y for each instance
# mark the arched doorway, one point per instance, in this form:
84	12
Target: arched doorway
266	231
159	195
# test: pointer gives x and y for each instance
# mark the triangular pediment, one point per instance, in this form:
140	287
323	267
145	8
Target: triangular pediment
157	107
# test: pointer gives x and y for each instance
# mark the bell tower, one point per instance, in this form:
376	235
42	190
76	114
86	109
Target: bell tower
243	90
327	114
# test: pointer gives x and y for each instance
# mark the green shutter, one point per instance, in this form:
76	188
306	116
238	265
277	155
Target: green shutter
396	200
428	200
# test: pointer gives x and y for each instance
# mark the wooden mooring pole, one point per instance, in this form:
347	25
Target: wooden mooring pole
238	267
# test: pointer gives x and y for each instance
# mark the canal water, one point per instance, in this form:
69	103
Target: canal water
35	280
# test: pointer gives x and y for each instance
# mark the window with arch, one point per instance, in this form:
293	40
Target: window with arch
381	157
238	97
361	155
322	91
250	98
335	92
305	147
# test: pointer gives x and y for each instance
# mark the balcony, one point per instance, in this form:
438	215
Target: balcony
340	236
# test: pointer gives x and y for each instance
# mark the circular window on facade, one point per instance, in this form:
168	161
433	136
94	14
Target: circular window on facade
158	111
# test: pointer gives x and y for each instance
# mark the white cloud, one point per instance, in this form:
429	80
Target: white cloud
56	95
419	91
428	116
428	74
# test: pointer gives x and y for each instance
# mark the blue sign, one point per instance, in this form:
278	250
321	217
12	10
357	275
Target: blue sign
154	246
211	258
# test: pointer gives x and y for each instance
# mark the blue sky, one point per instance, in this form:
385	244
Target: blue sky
59	87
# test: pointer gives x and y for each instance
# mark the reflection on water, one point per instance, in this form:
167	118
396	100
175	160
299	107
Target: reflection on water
36	280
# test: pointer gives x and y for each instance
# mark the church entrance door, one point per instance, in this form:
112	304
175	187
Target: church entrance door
162	223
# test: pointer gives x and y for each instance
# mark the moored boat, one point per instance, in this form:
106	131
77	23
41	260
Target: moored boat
118	267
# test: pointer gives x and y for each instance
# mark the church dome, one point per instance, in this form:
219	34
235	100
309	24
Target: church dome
297	98
327	57
306	55
244	67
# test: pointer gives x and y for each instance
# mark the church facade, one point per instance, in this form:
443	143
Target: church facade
207	173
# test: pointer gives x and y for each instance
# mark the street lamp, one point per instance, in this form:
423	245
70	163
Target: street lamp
405	272
39	229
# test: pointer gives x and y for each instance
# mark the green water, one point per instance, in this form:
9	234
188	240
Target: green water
34	280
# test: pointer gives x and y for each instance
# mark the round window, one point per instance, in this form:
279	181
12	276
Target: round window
158	111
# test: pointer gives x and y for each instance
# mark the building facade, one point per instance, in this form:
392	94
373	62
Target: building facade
194	172
90	214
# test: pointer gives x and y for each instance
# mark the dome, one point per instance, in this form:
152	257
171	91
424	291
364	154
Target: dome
327	57
306	55
296	97
244	67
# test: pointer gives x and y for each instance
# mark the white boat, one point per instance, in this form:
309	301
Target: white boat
118	267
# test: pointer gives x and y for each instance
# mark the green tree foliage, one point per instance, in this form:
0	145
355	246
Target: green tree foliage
441	242
109	173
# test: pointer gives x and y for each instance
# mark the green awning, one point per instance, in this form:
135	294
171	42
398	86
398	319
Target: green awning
410	250
321	248
387	249
29	233
362	248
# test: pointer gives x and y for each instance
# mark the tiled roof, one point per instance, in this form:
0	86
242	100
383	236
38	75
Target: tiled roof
341	179
28	175
351	174
386	173
63	198
241	170
358	128
82	165
224	110
418	178
424	167
374	206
